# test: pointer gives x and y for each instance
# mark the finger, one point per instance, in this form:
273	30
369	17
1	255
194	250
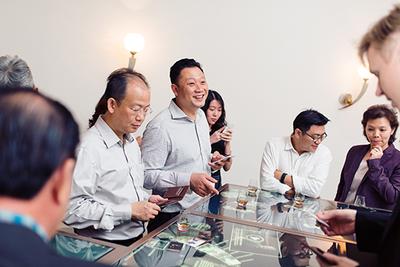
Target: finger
209	178
221	129
212	189
155	207
201	193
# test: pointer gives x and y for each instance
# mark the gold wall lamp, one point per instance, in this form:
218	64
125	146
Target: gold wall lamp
134	43
346	100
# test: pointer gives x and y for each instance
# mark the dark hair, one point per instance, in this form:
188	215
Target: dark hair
308	118
37	134
176	69
116	88
381	111
214	95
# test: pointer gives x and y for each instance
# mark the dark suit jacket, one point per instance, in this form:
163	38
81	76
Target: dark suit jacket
381	183
380	233
21	247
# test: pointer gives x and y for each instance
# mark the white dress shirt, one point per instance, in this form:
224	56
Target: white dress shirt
174	146
308	170
107	179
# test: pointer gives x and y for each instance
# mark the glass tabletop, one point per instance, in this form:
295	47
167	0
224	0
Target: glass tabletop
210	242
267	209
77	248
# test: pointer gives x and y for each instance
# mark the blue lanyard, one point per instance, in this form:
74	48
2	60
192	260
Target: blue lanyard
28	222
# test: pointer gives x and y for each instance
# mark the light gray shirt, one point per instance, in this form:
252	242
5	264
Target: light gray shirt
107	179
174	146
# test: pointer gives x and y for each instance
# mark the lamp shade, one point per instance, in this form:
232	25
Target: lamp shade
364	73
134	42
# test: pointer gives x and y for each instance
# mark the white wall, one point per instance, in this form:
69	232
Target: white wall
269	59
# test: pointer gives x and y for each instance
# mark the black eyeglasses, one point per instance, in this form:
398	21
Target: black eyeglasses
317	137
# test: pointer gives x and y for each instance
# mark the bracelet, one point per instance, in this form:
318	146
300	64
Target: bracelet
282	180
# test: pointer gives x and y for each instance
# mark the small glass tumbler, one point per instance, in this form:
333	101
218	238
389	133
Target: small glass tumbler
242	200
360	201
299	200
183	224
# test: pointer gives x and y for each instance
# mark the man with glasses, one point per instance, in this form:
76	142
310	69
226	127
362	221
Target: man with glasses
107	198
298	163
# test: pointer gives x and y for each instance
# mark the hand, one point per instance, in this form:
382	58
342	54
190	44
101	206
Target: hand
341	222
216	136
157	199
278	174
290	193
336	260
226	134
144	210
203	184
376	153
216	165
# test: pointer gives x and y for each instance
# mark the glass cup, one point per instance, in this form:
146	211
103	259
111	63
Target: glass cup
360	201
183	224
299	200
242	200
252	188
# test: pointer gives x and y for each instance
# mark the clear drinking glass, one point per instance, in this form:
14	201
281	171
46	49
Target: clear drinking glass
252	187
360	201
242	200
299	200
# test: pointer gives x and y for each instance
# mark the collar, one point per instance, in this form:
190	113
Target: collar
177	112
389	150
25	221
109	137
288	144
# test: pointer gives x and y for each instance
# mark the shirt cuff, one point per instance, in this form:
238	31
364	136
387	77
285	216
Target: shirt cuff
123	211
183	179
297	183
283	188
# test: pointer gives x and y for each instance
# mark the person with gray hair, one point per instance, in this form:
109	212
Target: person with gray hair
15	73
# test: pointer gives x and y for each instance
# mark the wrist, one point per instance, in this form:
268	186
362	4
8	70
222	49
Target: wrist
283	176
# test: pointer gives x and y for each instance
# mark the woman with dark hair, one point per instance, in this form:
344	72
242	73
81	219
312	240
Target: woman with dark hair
220	134
373	170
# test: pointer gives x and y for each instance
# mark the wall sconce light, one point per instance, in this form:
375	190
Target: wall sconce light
134	43
347	99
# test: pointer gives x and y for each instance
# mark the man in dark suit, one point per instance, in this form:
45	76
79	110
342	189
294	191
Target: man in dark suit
375	232
38	137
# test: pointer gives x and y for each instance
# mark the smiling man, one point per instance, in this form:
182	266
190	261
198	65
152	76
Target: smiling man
107	199
299	163
176	144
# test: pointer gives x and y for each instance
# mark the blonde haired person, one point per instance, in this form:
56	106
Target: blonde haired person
375	232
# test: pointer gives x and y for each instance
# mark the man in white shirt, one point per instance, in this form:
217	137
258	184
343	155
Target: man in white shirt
299	163
176	143
107	198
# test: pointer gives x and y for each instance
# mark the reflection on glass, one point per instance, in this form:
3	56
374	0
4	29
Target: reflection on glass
212	242
77	248
294	251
